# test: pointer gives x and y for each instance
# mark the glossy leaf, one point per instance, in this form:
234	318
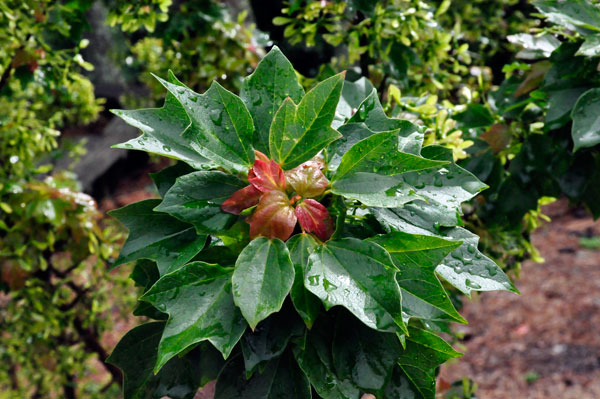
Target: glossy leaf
242	199
221	127
363	355
586	120
307	305
314	218
135	355
299	133
353	94
466	268
476	115
263	92
196	198
416	256
162	130
165	179
449	185
269	339
156	236
359	276
281	379
266	176
307	179
379	154
316	361
570	14
274	217
263	277
424	352
371	113
199	302
377	190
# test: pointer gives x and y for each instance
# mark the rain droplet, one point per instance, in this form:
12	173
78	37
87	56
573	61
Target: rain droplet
166	148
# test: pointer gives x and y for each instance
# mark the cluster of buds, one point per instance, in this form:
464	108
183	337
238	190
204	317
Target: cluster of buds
283	199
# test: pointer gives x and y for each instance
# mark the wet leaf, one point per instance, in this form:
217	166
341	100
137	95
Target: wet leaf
586	120
242	199
314	218
199	302
307	304
307	179
267	176
263	277
274	217
359	276
263	92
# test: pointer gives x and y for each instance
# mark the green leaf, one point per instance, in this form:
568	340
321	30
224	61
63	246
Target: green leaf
136	355
586	120
307	305
466	268
156	236
476	115
263	277
363	355
269	339
196	198
379	154
359	276
145	274
447	186
399	386
371	113
263	92
316	362
221	127
198	300
165	179
417	256
299	133
281	379
570	14
376	190
162	130
424	352
590	47
353	94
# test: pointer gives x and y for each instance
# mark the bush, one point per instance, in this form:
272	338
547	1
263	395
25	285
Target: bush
329	248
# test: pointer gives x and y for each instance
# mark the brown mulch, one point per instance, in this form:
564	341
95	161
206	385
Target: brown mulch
543	344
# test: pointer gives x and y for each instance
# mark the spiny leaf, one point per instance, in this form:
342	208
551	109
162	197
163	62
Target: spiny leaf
162	130
263	92
136	355
221	127
359	276
417	256
156	236
196	198
299	133
424	352
199	302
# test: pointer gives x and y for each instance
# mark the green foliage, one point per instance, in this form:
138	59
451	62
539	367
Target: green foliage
199	41
363	280
41	87
395	41
57	298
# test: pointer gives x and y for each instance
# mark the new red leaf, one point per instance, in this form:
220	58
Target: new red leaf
241	199
273	217
314	218
307	179
267	176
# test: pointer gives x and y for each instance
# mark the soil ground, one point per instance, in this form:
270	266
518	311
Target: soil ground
545	343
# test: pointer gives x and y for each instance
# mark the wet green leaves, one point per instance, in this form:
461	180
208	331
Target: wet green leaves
332	304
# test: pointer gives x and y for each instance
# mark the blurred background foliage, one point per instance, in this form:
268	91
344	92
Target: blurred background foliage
494	80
